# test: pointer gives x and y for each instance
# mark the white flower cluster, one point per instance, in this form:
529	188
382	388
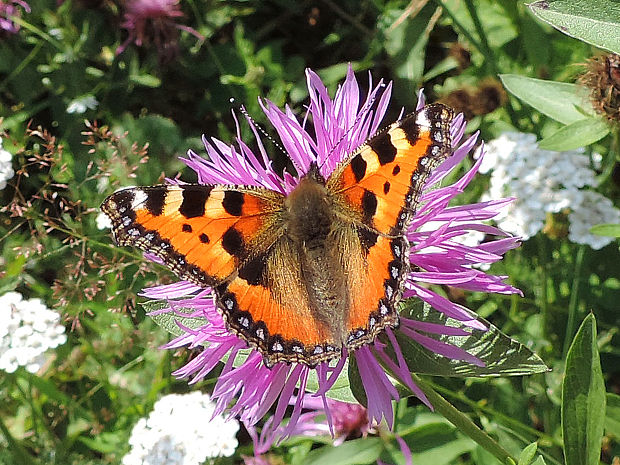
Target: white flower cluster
6	167
27	329
543	181
180	431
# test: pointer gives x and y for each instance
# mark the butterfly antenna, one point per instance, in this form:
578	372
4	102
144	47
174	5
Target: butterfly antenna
259	127
360	115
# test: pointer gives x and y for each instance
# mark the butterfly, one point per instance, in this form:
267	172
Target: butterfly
303	276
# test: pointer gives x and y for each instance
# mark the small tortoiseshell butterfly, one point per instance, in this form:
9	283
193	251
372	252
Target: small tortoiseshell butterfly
304	275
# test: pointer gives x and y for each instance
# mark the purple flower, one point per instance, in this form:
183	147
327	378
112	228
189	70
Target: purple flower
348	421
246	386
154	21
8	10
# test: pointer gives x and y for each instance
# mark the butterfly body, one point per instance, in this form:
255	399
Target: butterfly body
301	276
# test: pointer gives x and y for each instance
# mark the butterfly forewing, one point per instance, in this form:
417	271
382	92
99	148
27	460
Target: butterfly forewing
201	232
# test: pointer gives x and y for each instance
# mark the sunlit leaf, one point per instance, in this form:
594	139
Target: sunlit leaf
562	101
578	134
583	398
611	230
502	355
596	22
170	320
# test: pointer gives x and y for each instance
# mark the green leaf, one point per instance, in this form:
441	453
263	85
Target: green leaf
539	461
439	443
502	355
170	320
611	230
358	451
341	390
578	134
583	398
527	454
405	44
561	101
612	415
596	22
147	80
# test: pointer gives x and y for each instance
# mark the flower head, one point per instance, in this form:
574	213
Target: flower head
339	126
154	21
182	429
8	10
27	330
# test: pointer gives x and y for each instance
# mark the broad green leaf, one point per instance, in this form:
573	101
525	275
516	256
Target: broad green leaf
437	443
539	461
527	454
596	22
612	416
578	134
170	320
502	355
359	451
341	390
561	101
583	398
611	230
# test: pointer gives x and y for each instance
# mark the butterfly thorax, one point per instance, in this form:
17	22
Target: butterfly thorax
310	226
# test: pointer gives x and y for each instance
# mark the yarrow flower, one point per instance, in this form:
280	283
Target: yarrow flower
8	10
246	386
27	330
182	429
83	103
154	21
6	166
543	182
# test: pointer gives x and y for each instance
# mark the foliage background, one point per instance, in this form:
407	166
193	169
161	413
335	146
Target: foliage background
154	104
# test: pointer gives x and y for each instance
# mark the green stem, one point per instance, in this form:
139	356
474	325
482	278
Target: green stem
464	424
544	298
573	303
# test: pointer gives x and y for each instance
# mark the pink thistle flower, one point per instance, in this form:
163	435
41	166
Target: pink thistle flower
246	386
154	21
349	421
8	10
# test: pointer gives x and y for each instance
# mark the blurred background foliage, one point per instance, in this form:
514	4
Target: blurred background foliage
83	119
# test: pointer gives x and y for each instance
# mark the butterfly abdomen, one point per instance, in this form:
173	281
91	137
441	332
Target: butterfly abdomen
310	222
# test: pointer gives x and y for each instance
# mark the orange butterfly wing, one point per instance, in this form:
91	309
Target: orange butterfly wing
379	188
231	239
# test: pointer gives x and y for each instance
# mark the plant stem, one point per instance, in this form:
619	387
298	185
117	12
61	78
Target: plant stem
463	422
573	303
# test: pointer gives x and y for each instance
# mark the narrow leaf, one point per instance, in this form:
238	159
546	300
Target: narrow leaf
612	416
501	355
578	134
611	230
583	398
596	22
561	101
